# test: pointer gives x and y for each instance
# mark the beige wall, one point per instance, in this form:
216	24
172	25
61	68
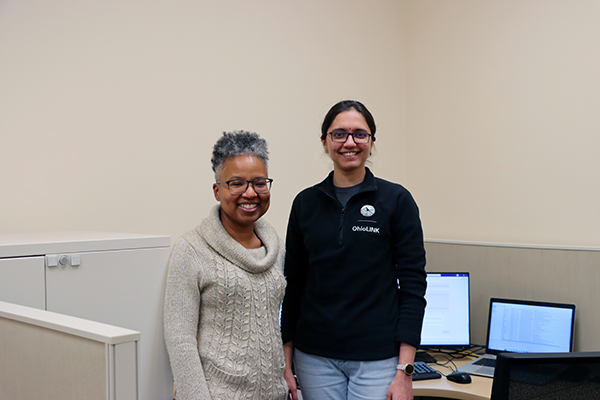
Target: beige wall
487	110
109	109
503	99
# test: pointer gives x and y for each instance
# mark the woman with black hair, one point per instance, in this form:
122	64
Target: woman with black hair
355	270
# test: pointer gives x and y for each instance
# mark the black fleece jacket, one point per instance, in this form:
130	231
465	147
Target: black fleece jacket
343	266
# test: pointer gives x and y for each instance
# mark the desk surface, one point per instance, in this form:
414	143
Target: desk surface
479	389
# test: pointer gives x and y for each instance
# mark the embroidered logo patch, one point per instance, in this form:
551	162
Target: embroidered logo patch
367	210
369	229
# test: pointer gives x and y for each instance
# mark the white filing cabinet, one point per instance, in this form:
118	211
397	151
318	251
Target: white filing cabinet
114	278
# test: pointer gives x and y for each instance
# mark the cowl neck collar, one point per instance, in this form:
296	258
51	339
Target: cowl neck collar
252	260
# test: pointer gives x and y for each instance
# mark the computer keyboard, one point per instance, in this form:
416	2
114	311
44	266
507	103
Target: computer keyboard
424	371
486	362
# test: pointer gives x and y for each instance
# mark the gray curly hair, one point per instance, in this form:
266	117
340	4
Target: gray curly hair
236	143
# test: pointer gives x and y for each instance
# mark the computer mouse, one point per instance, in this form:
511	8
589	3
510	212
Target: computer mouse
459	377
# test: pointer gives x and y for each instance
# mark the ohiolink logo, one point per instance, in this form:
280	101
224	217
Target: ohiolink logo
369	229
367	210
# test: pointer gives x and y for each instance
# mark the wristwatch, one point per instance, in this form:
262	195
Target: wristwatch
408	369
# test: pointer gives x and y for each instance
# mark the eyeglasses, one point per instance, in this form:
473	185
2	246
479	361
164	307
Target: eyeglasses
239	186
342	136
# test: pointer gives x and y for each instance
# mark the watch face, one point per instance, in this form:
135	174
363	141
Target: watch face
409	369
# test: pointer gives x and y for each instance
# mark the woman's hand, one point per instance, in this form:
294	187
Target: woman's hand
291	382
400	388
288	375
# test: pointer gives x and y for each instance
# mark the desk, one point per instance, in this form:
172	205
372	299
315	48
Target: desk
479	389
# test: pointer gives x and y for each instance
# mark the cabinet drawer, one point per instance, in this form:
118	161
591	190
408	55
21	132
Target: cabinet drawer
22	281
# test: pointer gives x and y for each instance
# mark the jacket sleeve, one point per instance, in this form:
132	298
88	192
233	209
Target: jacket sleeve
409	256
181	317
295	271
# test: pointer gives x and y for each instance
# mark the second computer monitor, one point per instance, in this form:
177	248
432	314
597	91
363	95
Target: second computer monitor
446	324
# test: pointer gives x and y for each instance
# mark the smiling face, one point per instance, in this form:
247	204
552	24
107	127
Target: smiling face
348	156
241	210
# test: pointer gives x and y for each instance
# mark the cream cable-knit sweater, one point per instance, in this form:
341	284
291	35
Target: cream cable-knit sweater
221	314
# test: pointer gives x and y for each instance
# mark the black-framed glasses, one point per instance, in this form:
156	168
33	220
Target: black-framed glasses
239	186
358	137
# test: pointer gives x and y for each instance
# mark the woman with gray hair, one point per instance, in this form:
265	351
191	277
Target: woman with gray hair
225	284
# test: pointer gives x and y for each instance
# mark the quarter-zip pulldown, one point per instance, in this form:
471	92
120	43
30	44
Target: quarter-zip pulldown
341	237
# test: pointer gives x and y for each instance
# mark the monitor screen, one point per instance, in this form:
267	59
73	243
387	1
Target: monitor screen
446	321
523	326
547	376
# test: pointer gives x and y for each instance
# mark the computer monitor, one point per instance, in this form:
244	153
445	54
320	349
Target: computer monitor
548	376
526	326
446	324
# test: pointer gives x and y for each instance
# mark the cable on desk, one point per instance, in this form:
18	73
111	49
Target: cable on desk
449	363
451	355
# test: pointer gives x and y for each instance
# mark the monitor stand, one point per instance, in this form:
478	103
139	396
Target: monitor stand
425	357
